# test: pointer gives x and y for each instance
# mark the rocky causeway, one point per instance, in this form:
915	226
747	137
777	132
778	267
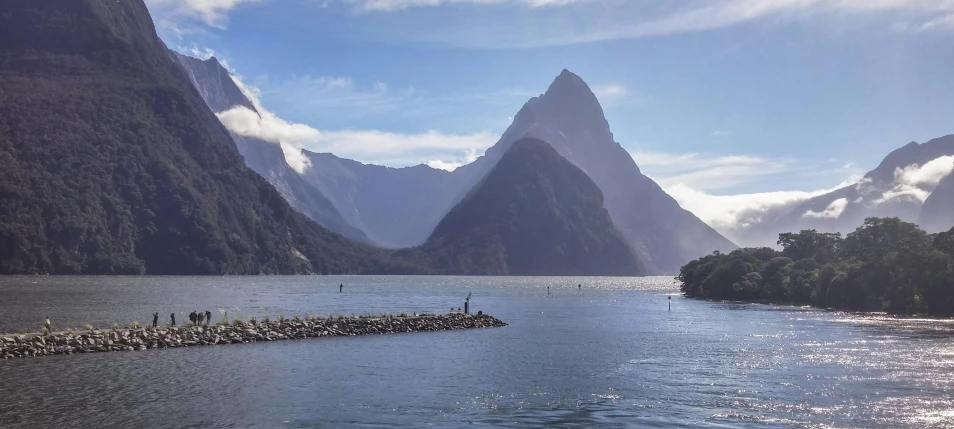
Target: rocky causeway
131	339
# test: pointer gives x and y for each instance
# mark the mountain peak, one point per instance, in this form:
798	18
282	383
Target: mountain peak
569	85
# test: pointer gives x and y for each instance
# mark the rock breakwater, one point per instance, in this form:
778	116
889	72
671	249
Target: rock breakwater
59	343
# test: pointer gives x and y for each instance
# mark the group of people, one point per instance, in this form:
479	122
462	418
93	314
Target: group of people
196	317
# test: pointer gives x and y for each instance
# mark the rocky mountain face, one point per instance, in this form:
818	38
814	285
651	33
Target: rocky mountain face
879	194
221	93
570	118
111	162
937	214
535	213
395	207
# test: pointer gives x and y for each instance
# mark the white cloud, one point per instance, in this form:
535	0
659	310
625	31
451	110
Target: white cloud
707	173
609	92
396	149
600	20
694	181
266	126
470	156
392	5
433	147
915	182
720	133
833	211
177	15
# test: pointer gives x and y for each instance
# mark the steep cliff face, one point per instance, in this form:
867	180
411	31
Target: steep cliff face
535	213
111	162
221	93
570	118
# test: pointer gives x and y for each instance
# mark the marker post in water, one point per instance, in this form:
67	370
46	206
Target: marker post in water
670	302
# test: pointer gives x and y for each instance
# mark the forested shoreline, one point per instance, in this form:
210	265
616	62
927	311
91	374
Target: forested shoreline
886	265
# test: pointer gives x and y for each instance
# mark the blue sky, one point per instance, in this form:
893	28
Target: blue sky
756	100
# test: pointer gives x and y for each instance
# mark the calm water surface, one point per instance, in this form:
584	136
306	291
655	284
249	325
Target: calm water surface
610	355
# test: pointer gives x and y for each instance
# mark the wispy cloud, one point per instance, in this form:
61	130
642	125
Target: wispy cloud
720	133
705	172
600	20
392	5
441	150
181	16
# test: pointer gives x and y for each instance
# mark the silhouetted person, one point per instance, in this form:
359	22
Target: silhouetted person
201	318
341	288
155	320
173	318
579	286
208	317
548	290
49	325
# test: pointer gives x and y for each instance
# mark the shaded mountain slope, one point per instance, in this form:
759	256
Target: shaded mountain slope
937	215
535	213
220	92
111	162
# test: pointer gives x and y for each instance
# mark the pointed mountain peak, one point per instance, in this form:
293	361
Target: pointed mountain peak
568	84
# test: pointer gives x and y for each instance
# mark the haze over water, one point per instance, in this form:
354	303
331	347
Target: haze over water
609	355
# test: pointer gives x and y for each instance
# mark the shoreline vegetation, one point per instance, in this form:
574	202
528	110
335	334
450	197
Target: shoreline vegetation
238	331
885	266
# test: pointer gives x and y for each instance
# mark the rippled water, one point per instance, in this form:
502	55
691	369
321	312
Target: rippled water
610	355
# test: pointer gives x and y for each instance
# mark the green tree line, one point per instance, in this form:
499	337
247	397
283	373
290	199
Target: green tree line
886	265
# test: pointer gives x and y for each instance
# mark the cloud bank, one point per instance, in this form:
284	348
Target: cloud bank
833	211
917	181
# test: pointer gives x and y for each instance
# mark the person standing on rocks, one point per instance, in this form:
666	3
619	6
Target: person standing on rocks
155	320
208	317
49	325
200	318
173	318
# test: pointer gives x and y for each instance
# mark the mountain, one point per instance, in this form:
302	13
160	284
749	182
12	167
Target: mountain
880	193
535	213
937	215
395	207
111	162
570	118
221	93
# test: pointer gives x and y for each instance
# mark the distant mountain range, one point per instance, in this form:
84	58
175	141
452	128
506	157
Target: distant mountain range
400	207
886	191
535	213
